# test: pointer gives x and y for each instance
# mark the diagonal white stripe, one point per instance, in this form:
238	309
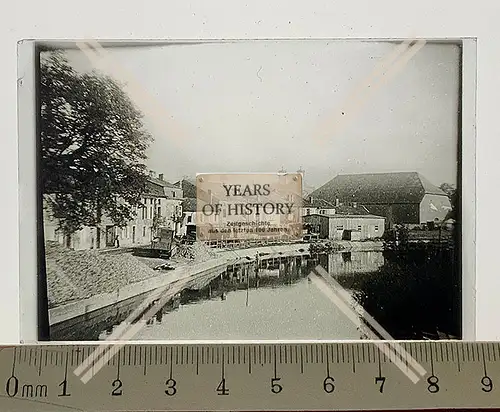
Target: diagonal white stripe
367	317
354	104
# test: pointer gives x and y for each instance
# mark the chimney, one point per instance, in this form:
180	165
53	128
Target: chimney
160	176
337	202
152	173
354	205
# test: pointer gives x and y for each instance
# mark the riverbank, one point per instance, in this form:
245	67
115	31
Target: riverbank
81	282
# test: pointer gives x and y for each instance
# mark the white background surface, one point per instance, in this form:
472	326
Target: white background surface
258	19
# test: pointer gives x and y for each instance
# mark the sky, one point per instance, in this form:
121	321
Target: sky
259	106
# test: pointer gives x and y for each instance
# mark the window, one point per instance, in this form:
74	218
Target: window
159	201
143	213
159	211
189	219
151	212
340	227
144	231
308	211
359	227
173	194
376	228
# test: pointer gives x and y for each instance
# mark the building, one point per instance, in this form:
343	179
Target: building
161	206
189	218
402	198
315	206
346	227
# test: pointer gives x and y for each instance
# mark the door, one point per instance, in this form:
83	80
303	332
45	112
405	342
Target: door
110	236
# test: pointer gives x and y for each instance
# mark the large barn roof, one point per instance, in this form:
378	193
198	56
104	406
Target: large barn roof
377	188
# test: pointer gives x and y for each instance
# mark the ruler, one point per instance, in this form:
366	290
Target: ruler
293	376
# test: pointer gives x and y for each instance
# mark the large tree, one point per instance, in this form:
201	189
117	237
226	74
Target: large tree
93	146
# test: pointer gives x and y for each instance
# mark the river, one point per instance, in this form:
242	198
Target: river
410	294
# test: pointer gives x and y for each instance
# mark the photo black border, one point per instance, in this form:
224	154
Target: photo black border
36	327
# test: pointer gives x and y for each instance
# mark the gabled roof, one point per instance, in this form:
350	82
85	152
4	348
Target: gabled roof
189	205
163	183
188	188
377	188
156	187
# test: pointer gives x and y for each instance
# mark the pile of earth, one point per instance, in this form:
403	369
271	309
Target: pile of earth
80	274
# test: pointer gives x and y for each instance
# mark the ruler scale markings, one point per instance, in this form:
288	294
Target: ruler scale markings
327	363
493	353
484	361
249	359
274	361
14	362
487	346
354	348
431	360
197	360
40	363
301	359
379	364
479	382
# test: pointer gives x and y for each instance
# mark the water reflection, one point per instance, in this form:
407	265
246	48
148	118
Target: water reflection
350	263
273	300
409	293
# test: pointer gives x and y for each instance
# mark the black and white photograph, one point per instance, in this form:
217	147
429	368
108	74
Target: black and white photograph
368	130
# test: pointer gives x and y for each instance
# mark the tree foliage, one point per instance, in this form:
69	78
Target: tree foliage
93	146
